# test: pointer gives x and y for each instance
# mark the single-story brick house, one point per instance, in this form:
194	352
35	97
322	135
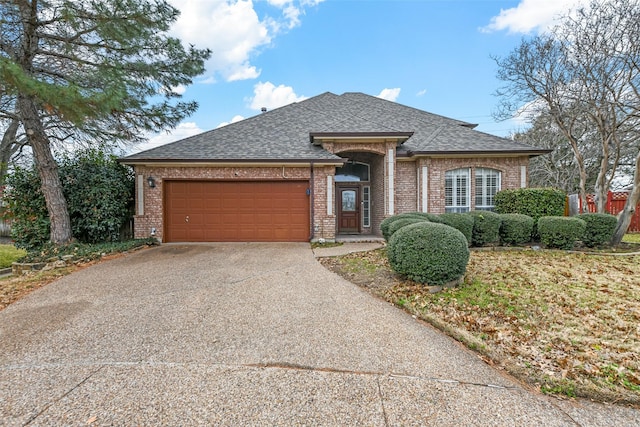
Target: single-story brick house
323	167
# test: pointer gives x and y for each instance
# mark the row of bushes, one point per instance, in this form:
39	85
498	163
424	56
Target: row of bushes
434	249
481	228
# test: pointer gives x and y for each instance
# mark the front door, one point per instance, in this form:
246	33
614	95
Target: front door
348	209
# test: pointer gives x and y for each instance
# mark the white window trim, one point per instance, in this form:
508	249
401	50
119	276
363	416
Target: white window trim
329	195
425	189
140	194
455	207
366	206
485	206
391	186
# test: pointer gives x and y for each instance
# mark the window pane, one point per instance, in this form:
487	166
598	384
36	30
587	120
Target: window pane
457	190
352	172
348	201
487	185
366	211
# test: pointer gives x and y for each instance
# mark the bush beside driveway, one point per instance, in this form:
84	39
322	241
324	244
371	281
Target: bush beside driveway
565	323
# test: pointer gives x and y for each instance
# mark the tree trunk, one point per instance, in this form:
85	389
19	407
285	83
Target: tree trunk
624	218
48	171
8	147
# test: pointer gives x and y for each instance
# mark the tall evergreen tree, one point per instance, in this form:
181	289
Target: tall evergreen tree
103	71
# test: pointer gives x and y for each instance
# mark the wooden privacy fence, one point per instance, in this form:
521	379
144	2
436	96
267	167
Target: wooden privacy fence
615	204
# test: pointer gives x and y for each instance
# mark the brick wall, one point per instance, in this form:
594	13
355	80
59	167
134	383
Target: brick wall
153	197
406	187
510	168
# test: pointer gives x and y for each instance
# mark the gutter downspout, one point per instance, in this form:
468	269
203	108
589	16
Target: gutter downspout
312	201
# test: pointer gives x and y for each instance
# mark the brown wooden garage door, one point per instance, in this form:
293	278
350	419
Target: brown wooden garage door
255	211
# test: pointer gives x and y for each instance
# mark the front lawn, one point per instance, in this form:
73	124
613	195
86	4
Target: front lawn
9	254
566	323
631	238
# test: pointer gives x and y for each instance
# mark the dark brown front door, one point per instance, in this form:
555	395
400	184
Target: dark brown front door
348	209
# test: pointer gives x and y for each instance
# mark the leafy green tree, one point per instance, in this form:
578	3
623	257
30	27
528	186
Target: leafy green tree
26	206
98	189
92	71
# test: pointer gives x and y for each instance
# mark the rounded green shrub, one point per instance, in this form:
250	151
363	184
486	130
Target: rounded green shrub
516	229
428	252
402	222
560	232
426	215
386	223
486	228
600	228
462	222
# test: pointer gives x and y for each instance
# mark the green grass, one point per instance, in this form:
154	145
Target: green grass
631	238
10	254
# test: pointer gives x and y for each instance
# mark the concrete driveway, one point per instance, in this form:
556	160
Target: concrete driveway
246	334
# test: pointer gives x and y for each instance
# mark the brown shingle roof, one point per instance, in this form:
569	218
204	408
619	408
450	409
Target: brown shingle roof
284	133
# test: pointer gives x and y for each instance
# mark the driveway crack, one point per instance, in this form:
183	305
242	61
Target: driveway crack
384	411
298	367
68	392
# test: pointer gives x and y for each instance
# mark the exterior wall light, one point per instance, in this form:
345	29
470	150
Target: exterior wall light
151	181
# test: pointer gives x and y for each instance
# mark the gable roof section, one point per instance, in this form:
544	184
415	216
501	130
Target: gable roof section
283	134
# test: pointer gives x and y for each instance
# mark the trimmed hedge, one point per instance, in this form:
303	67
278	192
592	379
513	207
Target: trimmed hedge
516	229
561	232
402	222
600	228
534	202
460	221
386	223
428	252
486	228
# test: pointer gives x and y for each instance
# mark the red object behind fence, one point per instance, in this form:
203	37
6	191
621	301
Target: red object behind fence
615	204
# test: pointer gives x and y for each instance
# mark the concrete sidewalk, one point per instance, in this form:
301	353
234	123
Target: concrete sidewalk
246	334
346	248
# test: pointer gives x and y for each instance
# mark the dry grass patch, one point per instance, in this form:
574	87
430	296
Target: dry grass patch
566	323
13	288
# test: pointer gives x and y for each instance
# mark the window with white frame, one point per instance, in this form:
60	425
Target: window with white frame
366	206
487	185
456	190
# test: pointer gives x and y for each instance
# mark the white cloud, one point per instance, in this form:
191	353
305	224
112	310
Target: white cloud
292	10
183	130
269	96
234	119
532	15
390	94
234	32
180	89
423	92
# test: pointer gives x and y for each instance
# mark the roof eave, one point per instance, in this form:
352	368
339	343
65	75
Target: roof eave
468	153
222	162
368	136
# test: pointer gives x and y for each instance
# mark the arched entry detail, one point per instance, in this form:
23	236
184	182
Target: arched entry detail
353	172
353	197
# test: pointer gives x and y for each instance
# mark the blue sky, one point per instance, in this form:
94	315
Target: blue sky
434	55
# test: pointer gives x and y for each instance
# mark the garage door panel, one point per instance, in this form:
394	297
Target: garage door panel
237	211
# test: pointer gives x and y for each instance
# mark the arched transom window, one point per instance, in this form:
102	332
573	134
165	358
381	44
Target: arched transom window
353	172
